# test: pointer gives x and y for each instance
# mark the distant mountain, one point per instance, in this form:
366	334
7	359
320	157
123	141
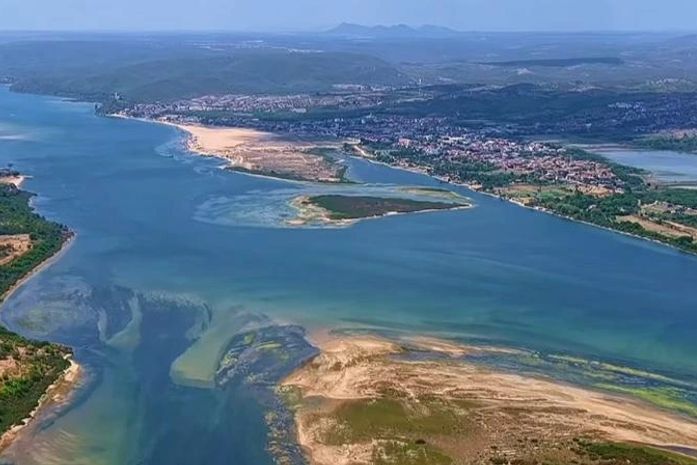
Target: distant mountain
96	70
557	62
399	31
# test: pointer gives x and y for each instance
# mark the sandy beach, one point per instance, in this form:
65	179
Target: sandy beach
45	264
59	393
262	153
220	141
508	407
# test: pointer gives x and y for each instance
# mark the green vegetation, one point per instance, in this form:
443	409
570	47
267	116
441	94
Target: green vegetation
38	366
558	62
151	71
28	367
403	429
17	217
669	398
345	207
389	418
675	196
625	454
429	431
608	211
408	453
679	144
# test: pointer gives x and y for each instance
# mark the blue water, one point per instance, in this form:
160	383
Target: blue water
171	250
664	165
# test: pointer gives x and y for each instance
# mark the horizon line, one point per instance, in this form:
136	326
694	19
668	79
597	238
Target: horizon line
327	29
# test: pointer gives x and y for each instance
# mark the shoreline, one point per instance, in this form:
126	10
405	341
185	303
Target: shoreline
473	188
257	152
65	247
61	389
57	394
367	369
364	155
312	214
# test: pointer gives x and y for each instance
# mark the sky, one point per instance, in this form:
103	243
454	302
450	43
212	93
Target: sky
288	15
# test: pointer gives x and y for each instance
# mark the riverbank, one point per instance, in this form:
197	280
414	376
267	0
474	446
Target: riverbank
65	247
33	374
56	395
478	188
369	400
219	141
261	153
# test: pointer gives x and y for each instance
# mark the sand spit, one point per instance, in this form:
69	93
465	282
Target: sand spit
504	409
262	153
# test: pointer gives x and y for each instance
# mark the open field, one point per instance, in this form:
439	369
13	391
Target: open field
665	228
14	246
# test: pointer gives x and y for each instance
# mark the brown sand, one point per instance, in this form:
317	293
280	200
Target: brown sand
261	153
350	368
56	395
17	245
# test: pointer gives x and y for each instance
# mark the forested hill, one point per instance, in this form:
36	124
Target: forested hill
143	71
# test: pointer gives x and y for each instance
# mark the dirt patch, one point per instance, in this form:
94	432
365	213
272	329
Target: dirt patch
665	228
12	247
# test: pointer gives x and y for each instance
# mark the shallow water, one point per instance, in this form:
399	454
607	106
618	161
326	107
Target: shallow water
175	256
665	166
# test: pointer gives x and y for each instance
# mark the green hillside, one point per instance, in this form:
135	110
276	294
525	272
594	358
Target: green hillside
146	73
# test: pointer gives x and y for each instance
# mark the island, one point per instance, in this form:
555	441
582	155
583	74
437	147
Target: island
367	399
31	373
505	160
335	209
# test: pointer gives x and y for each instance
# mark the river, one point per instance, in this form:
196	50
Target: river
174	255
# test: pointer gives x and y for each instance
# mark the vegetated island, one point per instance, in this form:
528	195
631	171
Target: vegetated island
345	210
374	401
264	153
31	373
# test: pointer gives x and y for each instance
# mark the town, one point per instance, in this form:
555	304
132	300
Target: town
403	141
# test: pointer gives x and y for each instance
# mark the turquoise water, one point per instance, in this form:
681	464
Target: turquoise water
174	256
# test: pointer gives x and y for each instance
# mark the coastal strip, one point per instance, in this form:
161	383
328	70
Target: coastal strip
362	154
371	400
65	247
262	153
34	375
57	394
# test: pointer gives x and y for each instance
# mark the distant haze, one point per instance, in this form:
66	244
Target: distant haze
289	15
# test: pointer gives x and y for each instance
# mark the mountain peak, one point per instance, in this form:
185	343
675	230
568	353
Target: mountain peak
393	31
